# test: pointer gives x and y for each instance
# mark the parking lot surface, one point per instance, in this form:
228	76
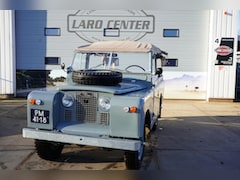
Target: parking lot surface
192	136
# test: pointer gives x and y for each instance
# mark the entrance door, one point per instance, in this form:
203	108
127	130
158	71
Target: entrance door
237	89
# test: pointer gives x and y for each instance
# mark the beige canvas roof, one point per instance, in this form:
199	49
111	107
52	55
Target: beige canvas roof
119	46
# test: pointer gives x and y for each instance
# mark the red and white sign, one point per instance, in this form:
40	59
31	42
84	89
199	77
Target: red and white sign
223	50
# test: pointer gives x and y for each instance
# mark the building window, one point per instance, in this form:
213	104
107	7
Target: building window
170	63
110	32
52	31
170	32
52	60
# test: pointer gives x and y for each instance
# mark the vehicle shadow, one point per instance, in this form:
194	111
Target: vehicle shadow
13	117
86	154
196	143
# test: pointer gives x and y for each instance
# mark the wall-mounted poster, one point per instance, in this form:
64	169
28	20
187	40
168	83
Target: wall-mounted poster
225	52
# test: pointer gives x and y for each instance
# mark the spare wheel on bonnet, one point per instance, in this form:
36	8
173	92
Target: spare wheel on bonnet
97	77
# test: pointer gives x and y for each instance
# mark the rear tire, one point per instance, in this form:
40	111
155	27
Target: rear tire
48	150
159	115
160	107
154	128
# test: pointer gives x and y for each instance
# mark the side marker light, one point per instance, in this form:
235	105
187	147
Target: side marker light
131	109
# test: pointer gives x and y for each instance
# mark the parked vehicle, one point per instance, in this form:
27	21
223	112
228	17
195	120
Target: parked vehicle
112	99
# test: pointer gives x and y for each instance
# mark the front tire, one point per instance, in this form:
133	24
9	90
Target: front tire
48	150
133	159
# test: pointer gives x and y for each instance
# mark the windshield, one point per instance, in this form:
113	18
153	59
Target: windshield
124	62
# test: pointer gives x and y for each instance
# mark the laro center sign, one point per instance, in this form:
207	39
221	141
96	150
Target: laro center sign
123	25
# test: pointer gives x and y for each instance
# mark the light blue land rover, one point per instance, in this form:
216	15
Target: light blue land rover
112	99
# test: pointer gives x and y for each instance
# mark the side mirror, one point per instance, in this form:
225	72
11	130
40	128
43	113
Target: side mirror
68	70
63	66
159	72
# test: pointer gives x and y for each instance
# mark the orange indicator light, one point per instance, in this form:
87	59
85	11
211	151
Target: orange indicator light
32	101
133	109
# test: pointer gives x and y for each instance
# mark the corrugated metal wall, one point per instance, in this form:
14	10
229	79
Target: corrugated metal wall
221	82
190	48
194	48
7	53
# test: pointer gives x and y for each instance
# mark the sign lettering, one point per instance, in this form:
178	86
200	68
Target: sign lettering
132	25
225	52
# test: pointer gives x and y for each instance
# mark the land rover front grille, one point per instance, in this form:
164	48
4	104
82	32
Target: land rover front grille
67	115
87	109
86	103
104	118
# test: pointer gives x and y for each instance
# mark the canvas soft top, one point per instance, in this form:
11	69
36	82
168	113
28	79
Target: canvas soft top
119	46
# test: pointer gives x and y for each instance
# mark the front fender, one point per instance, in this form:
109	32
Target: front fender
125	124
50	105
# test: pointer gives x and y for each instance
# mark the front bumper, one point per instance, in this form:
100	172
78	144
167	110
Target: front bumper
107	142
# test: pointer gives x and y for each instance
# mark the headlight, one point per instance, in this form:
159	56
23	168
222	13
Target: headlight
67	100
104	103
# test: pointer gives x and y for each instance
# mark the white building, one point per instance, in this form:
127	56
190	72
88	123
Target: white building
202	46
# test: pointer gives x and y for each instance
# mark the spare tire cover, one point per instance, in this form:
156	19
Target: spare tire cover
97	77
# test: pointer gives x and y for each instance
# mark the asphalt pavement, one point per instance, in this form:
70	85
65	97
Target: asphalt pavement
191	136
